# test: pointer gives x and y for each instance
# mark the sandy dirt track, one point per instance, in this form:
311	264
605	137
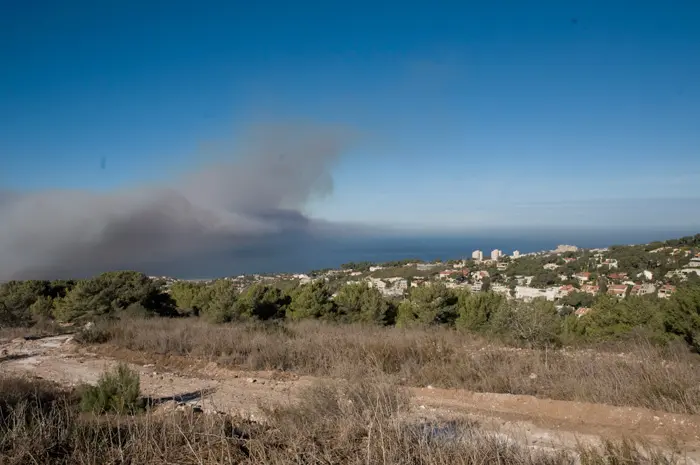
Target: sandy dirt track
532	421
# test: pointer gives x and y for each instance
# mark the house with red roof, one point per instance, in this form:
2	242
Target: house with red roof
618	290
642	289
666	290
590	289
618	276
566	290
448	273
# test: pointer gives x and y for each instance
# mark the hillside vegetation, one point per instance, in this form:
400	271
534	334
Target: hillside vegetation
531	324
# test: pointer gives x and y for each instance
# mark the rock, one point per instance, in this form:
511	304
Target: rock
149	365
89	325
533	376
429	386
252	380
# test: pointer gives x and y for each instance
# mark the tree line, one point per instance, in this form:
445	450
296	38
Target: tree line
536	323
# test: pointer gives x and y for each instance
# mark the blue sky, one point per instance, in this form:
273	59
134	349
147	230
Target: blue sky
473	114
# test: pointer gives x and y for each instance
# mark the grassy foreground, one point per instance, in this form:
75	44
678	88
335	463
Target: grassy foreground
358	423
636	373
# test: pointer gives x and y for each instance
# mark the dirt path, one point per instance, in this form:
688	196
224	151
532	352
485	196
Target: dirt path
530	420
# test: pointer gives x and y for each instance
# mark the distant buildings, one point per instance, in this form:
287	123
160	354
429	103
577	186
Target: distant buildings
590	289
566	290
610	263
390	287
617	276
642	289
666	290
618	290
496	254
478	255
648	275
566	248
425	266
516	254
448	273
529	293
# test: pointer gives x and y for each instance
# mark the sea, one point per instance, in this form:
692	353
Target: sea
301	256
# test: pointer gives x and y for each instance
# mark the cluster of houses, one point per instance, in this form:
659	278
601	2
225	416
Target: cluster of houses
619	284
692	268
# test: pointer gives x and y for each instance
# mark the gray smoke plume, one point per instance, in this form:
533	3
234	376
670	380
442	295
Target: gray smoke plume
245	204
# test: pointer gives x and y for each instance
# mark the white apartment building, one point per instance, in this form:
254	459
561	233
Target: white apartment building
496	254
478	255
529	293
516	254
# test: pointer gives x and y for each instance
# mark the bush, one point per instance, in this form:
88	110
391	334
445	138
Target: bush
431	304
92	334
116	391
311	300
534	324
41	309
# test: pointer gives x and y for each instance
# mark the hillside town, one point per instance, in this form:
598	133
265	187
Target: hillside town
568	275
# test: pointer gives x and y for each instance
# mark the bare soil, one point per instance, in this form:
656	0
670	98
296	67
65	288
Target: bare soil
171	380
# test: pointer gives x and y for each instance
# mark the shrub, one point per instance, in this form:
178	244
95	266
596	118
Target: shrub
92	334
41	309
311	300
431	304
218	302
361	303
532	324
476	309
116	391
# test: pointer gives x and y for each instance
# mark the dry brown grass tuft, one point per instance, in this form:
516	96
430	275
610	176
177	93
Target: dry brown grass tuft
625	452
644	375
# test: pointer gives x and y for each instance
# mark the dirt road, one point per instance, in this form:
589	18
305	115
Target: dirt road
532	421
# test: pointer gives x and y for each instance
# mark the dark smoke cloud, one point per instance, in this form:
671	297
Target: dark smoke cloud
250	204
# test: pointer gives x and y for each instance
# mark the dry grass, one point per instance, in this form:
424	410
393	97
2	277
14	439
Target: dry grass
645	376
351	423
41	329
